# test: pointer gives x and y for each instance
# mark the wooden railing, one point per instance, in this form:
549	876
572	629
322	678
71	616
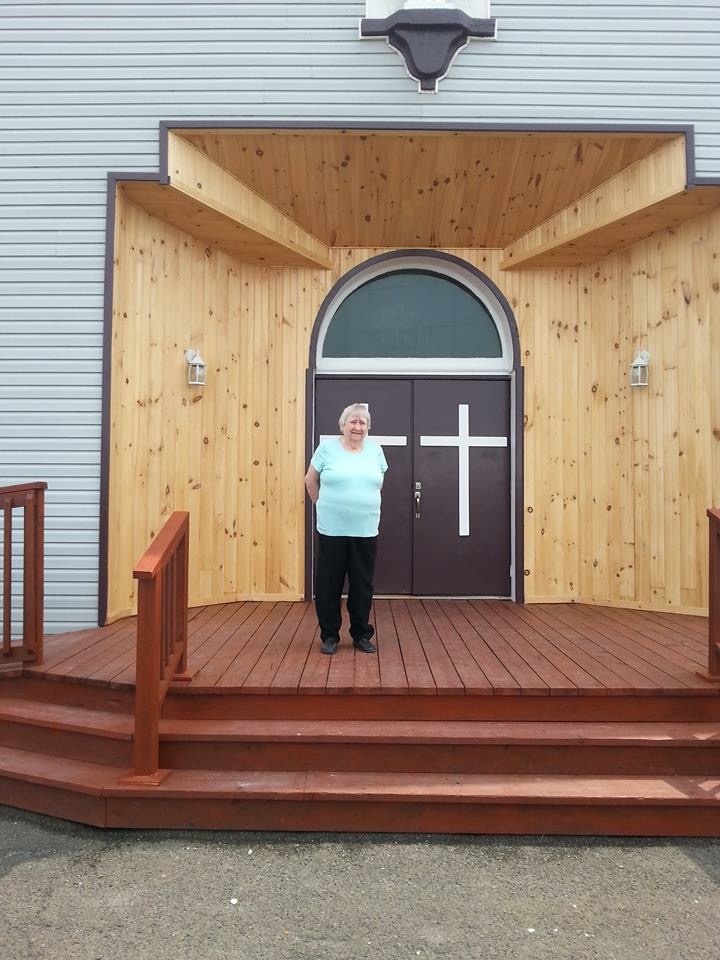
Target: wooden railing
30	497
162	575
714	611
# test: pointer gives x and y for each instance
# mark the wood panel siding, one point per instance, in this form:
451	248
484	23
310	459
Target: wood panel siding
352	188
220	451
616	480
649	457
212	205
231	453
253	240
611	216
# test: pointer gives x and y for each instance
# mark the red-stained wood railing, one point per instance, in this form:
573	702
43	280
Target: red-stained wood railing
162	575
30	498
714	611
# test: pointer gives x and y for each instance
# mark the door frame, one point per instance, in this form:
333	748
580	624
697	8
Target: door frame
515	375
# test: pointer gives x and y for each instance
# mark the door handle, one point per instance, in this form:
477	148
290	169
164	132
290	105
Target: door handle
418	498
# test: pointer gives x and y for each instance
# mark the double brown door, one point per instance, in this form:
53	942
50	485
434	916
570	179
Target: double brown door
445	527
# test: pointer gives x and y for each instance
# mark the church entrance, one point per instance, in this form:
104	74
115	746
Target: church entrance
430	346
445	527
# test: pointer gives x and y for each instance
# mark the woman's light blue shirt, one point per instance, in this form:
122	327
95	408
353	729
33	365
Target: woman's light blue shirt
349	501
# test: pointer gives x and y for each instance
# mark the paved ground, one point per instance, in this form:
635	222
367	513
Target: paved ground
74	892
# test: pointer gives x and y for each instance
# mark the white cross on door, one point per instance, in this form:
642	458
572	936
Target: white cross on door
463	441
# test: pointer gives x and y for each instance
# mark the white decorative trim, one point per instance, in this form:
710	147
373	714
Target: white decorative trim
385	8
455	366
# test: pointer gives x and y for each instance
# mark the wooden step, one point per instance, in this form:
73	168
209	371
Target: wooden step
451	788
369	745
76	693
292	800
181	703
446	732
10	668
65	716
98	736
56	786
447	747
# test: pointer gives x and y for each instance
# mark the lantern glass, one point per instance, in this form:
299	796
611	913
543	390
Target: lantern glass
638	375
196	374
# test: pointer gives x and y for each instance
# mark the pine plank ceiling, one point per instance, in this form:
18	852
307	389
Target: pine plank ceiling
421	188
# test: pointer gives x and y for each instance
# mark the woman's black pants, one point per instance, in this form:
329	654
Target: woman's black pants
337	558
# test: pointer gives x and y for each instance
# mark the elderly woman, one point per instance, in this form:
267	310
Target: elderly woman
344	480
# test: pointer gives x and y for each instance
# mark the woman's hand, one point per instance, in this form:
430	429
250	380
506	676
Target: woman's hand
312	483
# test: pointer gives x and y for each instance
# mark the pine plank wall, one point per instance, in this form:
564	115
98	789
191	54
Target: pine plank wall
617	480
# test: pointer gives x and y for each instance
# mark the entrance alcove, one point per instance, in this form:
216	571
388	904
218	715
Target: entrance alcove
236	245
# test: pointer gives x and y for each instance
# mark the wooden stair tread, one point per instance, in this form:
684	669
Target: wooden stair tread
79	776
430	787
517	732
11	668
102	780
514	732
56	716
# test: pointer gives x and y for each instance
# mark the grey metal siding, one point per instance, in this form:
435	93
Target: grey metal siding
83	86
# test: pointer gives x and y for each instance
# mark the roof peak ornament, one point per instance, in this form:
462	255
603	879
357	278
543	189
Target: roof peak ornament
428	34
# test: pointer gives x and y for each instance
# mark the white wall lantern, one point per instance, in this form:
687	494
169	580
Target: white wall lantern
196	368
639	370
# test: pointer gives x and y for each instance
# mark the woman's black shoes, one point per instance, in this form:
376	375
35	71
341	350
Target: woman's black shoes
329	645
364	646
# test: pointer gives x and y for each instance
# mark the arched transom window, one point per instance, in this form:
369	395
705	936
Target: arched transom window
415	314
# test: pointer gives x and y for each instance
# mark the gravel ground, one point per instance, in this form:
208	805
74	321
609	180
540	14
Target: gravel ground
70	891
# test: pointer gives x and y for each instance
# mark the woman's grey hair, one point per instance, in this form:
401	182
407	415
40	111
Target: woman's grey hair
353	410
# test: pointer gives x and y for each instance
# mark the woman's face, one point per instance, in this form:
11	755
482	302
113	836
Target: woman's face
355	429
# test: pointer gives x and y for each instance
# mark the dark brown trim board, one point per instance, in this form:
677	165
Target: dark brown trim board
110	203
518	392
685	129
309	432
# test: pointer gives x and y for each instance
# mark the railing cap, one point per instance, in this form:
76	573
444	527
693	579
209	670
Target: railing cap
23	487
160	550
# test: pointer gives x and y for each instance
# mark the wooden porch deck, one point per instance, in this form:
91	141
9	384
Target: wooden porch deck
475	716
425	647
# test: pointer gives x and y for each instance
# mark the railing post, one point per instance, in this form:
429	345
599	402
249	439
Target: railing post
7	578
714	597
181	672
31	498
713	668
162	575
33	592
147	681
